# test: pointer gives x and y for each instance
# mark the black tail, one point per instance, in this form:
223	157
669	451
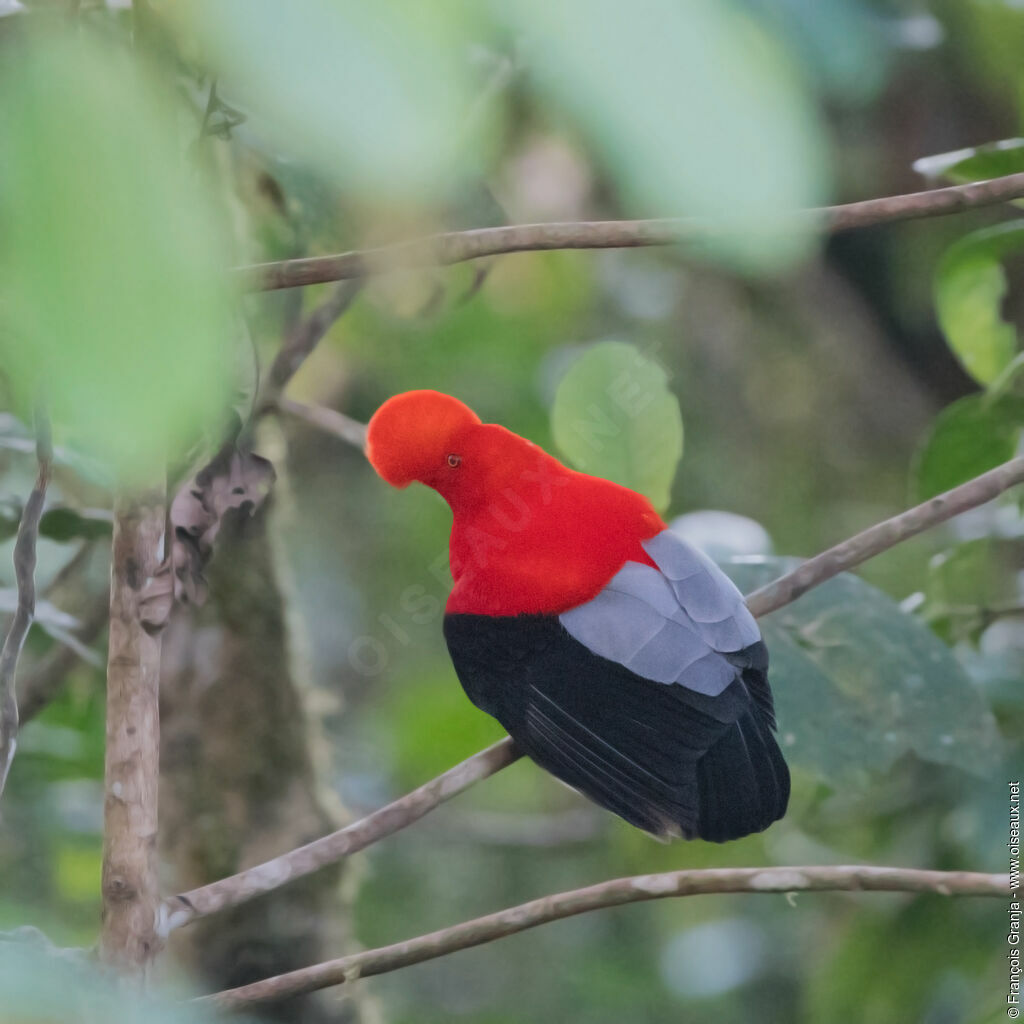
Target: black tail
665	758
742	781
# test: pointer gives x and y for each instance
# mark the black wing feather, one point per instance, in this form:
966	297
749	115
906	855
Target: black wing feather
664	758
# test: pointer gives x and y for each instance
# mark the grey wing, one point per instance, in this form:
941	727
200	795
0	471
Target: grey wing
684	622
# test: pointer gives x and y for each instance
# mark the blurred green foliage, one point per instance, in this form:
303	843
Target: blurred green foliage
970	286
668	90
974	434
113	302
608	406
977	163
374	93
852	709
43	988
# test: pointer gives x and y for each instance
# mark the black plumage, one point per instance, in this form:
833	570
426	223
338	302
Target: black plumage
664	757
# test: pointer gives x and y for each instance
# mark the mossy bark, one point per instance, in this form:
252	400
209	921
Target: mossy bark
238	781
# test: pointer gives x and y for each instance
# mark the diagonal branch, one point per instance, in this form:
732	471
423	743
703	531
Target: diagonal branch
613	893
460	246
330	421
305	336
228	892
884	535
181	910
24	572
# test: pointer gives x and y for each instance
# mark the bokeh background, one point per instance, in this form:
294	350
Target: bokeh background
815	384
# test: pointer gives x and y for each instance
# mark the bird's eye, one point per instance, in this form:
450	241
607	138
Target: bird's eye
454	460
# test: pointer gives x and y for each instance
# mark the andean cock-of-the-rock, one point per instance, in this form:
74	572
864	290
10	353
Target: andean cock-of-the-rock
617	656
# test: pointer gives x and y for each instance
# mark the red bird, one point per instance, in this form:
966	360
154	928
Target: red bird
617	656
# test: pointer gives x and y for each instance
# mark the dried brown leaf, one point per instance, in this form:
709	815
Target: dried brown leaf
234	482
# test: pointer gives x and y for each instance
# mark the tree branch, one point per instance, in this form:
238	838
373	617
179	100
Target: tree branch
460	246
24	573
884	535
228	892
305	337
129	938
180	910
330	421
613	893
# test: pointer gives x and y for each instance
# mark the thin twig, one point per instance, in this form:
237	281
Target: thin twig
211	105
504	72
24	573
976	615
328	420
459	246
884	535
613	893
226	892
305	337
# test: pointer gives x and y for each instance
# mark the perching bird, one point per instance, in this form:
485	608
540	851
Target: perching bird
617	656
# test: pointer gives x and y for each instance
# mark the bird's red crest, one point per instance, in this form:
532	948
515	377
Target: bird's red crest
411	434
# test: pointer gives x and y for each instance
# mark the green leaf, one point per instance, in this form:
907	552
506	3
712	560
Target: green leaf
614	416
964	574
978	163
114	308
970	285
63	523
969	437
694	109
962	583
375	93
859	683
844	49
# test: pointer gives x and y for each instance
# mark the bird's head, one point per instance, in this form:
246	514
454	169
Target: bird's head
419	435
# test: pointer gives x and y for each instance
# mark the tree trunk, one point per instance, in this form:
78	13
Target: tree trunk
129	939
238	781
